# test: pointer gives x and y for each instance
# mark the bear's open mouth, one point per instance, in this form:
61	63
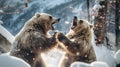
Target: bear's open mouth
74	24
52	25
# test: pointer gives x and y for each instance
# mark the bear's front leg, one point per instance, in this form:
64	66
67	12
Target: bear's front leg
62	38
67	44
53	40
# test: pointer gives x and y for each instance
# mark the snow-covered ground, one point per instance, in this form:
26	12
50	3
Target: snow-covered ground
103	63
10	61
93	64
103	54
117	57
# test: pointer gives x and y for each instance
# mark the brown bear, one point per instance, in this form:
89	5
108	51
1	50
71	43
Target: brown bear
77	43
33	39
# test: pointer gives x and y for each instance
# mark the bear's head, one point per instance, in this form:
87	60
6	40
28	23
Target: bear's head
43	21
80	25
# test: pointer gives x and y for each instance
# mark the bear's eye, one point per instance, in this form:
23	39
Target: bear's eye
50	17
81	21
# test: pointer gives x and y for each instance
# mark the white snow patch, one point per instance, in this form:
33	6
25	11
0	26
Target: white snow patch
103	54
6	34
93	64
53	3
1	22
111	37
117	57
80	64
96	8
67	22
10	61
99	64
78	10
1	11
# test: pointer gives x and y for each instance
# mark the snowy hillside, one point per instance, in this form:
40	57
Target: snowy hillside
64	9
93	64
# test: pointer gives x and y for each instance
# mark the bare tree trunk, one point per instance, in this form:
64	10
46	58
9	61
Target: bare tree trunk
99	24
117	21
88	10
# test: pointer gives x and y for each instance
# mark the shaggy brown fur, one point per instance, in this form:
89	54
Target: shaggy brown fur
77	43
33	39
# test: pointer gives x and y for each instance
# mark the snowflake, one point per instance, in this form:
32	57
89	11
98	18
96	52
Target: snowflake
110	1
33	58
77	53
31	51
85	55
27	53
119	27
40	47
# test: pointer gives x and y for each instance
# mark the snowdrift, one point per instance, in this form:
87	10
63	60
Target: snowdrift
105	61
10	61
105	55
117	57
93	64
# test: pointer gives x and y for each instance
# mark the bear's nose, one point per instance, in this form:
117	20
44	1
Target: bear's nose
58	19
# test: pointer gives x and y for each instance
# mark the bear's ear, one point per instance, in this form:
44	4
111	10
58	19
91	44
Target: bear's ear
91	26
37	15
81	21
